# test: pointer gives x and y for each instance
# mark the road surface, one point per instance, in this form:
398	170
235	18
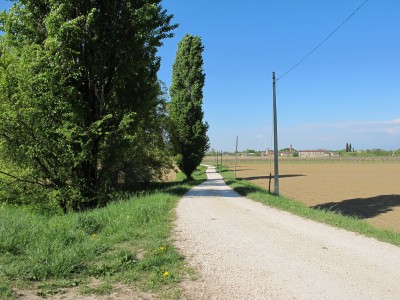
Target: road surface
247	250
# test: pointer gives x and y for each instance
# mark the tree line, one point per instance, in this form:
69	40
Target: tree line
83	115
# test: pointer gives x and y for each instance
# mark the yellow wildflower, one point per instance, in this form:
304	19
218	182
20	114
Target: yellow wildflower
166	273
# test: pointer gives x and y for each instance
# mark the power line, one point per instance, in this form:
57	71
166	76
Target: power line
320	44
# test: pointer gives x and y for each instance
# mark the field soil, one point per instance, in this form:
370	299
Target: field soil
369	190
246	250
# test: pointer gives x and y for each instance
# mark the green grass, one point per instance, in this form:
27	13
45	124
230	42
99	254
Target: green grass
126	242
102	289
333	218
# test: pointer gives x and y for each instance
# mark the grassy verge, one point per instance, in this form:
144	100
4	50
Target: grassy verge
126	242
333	218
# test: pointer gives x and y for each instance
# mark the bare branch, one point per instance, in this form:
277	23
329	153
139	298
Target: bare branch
22	180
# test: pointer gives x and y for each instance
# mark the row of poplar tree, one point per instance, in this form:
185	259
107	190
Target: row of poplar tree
83	115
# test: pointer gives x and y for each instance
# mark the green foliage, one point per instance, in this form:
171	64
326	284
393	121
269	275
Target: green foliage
250	151
198	174
127	242
188	132
287	150
211	152
349	148
82	113
103	289
6	291
371	153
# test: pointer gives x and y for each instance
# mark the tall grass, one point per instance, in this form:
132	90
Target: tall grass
333	218
127	241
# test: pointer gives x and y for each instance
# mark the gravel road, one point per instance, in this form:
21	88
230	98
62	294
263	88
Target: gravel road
246	250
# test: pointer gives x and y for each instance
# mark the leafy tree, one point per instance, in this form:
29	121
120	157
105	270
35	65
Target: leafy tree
212	152
188	132
82	113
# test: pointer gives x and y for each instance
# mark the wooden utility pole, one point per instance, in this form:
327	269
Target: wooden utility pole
237	139
276	169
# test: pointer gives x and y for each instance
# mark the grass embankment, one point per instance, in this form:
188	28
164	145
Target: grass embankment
126	242
333	218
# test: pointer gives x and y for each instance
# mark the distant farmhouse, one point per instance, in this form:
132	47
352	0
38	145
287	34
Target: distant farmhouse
304	153
313	153
317	153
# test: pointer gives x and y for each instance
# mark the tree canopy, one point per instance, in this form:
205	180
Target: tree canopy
189	133
82	113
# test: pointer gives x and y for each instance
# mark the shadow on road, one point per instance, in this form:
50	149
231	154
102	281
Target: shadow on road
363	208
226	193
213	182
175	188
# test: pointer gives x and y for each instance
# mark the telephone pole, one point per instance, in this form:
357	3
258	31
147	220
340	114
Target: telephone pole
276	169
237	138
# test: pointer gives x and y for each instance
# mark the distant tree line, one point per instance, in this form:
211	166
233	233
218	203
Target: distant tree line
371	153
349	148
361	153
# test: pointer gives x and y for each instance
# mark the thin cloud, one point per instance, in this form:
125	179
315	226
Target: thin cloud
394	122
355	126
364	134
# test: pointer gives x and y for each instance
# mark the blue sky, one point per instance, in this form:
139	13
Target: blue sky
347	91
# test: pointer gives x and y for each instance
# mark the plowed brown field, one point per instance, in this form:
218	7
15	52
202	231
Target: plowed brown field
367	189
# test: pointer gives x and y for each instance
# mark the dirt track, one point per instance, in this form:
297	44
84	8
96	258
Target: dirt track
245	250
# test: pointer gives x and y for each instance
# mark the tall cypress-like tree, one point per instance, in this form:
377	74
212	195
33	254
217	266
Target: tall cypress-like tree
80	99
188	131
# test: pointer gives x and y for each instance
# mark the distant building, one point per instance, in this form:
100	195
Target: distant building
286	154
280	153
313	153
303	153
